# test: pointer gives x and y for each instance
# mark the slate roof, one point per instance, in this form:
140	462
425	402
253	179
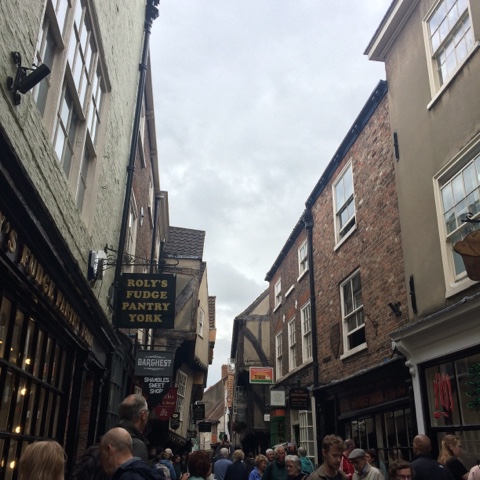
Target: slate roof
185	243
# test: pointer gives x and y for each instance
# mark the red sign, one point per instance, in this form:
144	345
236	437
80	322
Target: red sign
167	407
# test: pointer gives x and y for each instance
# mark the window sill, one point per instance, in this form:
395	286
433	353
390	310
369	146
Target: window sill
345	238
289	291
353	351
457	287
302	274
277	307
445	86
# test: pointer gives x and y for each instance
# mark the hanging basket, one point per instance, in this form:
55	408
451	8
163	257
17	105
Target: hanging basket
469	249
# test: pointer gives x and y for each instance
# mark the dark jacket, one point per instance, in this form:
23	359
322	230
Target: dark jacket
236	471
139	442
275	471
427	468
136	470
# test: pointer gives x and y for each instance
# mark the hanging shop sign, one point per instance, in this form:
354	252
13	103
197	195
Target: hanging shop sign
198	412
146	301
153	362
277	398
205	427
299	399
167	406
155	388
261	375
175	421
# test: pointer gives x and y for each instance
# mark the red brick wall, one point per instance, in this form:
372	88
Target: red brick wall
374	248
291	305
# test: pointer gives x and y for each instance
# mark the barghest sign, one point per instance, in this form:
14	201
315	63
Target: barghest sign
146	301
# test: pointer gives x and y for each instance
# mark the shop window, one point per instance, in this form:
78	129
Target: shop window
307	435
32	402
453	394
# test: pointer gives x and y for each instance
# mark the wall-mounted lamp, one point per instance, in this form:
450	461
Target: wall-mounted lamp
395	308
24	82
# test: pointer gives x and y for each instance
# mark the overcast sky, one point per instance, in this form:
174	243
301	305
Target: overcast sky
252	99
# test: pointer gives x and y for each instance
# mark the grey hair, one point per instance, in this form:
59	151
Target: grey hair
224	452
302	452
295	460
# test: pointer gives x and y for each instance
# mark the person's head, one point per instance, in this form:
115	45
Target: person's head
400	470
238	456
302	452
451	447
115	448
134	409
45	458
294	467
332	451
224	452
261	462
348	446
270	454
279	454
199	464
421	445
358	458
166	454
371	456
177	458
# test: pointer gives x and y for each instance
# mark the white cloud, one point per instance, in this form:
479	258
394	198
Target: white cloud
252	100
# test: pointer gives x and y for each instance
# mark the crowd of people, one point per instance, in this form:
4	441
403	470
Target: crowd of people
123	454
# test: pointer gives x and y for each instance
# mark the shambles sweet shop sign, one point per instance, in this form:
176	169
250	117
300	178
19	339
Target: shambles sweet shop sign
146	301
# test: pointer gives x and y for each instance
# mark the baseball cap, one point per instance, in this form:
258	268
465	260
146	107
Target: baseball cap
168	451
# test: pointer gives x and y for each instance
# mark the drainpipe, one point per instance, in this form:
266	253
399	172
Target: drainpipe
308	221
151	13
154	238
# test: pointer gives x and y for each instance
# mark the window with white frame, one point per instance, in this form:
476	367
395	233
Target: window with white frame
278	355
352	313
307	435
306	320
181	384
201	321
278	293
292	357
344	204
302	258
73	114
450	38
460	194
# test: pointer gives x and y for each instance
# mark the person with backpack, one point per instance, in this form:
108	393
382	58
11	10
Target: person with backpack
116	457
166	465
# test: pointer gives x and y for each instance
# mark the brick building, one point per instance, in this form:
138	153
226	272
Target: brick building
350	236
292	339
361	297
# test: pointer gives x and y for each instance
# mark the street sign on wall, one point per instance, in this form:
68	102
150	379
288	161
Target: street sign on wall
261	375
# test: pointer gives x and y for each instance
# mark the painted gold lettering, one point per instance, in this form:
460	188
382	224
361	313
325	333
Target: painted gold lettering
12	242
24	256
